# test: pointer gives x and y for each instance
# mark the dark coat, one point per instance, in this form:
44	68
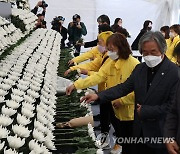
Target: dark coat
134	45
155	102
172	125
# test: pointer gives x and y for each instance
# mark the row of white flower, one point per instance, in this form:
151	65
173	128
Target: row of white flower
9	34
24	4
28	18
28	76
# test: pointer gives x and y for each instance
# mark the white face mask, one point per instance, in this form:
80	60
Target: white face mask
101	49
152	61
113	55
172	35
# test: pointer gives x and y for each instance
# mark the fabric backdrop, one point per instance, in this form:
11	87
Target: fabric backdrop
133	13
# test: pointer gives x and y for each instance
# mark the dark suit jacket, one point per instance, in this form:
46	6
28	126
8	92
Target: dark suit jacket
155	102
172	125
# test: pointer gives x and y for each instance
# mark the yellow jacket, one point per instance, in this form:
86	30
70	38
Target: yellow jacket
113	73
92	67
91	54
171	44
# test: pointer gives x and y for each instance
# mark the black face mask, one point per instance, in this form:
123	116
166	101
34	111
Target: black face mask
149	28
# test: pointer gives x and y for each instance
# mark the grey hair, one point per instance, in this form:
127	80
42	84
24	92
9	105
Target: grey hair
153	36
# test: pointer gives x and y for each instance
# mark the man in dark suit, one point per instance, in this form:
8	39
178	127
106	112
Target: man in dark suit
154	83
172	125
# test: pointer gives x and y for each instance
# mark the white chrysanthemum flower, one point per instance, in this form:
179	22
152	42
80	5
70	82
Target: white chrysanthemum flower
90	129
22	87
33	145
8	111
22	120
50	117
16	98
50	126
2	145
3	92
5	86
10	151
15	142
99	151
32	93
50	145
29	99
12	104
21	131
38	135
28	106
3	132
35	88
5	120
41	110
28	113
42	119
18	92
2	98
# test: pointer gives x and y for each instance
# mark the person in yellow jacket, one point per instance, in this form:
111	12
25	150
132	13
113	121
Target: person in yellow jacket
90	54
93	66
172	42
93	52
116	71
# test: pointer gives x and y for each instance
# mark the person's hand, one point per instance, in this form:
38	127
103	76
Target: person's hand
85	72
89	98
79	26
173	148
67	72
44	9
71	24
70	89
39	4
116	104
70	62
138	109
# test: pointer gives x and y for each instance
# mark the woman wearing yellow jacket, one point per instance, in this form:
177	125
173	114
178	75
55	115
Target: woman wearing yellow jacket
91	54
172	42
93	66
116	71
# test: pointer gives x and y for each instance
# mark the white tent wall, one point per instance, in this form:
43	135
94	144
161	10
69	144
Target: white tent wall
133	13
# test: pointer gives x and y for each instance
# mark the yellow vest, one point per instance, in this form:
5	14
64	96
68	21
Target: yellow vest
113	73
91	54
171	44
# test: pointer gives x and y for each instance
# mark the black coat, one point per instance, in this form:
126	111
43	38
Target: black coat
172	125
134	45
91	44
155	102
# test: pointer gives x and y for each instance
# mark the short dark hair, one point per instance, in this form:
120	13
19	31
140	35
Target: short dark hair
103	18
39	15
121	43
76	16
166	30
176	28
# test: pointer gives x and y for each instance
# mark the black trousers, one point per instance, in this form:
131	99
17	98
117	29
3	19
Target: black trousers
122	128
78	49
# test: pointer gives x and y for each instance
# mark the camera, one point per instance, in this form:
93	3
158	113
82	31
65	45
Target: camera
56	23
44	4
75	23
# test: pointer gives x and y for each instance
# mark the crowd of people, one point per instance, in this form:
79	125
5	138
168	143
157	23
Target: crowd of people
140	100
